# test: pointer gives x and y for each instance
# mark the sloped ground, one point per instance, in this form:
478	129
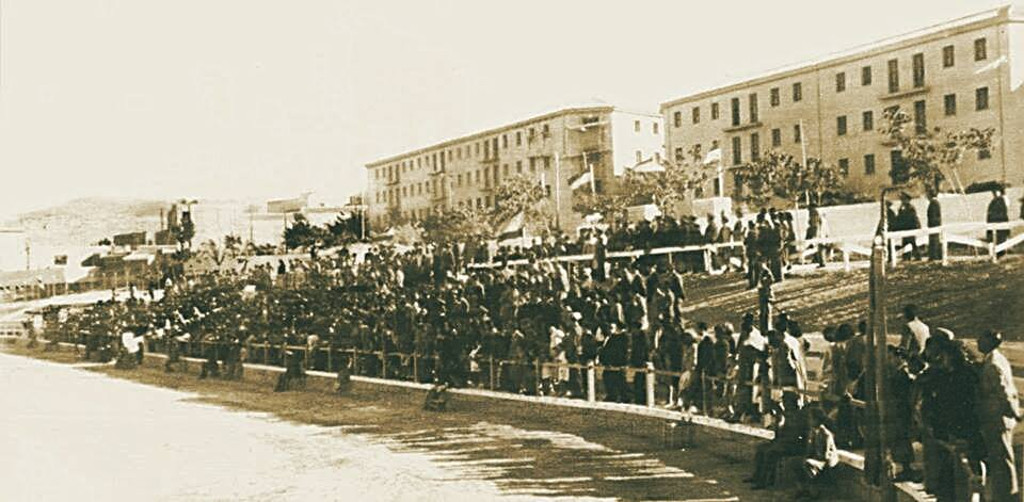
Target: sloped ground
966	297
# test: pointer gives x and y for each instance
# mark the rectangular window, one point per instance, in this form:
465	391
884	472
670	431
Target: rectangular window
980	49
868	120
869	164
695	114
677	119
841	125
735	111
458	181
776	138
636	125
797	134
920	118
948	56
949	103
894	75
844	166
533	165
984	153
981	98
753	107
773	97
547	163
519	166
798	92
918	63
896	166
639	156
545	131
755	147
654	127
519	138
679	154
840	81
737	151
865	76
504	140
714	111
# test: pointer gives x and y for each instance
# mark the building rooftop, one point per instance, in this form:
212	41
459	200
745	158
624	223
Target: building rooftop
592	107
1006	13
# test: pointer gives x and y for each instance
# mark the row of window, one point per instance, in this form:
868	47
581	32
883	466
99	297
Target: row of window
866	77
469	179
489	147
843	164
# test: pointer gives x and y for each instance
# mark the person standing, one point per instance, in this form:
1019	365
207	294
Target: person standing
908	220
998	212
934	221
998	413
816	230
915	332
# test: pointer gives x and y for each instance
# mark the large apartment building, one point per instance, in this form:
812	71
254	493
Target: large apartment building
555	148
960	74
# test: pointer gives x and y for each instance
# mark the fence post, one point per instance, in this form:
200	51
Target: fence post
649	378
355	361
415	367
591	382
945	247
490	370
707	260
992	252
384	364
846	258
893	257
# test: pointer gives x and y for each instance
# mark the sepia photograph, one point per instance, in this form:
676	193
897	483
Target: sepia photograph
452	250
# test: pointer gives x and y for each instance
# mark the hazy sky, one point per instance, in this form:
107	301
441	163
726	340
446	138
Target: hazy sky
257	98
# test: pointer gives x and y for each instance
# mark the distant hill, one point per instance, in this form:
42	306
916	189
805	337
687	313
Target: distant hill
85	221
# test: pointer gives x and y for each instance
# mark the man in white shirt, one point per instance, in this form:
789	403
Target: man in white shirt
915	333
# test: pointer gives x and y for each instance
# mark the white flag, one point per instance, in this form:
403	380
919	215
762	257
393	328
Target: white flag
583	179
713	156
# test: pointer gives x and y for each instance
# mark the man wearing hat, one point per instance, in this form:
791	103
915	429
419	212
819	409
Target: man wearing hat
998	414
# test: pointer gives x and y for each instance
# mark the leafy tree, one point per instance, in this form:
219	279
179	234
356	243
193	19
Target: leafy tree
340	232
522	194
930	157
777	174
455	225
673	182
302	234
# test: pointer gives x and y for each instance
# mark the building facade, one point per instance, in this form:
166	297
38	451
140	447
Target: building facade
960	74
556	148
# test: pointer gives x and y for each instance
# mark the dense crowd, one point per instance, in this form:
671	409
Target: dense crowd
423	315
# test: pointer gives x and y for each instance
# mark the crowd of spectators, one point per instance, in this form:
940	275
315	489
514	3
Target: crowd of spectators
423	315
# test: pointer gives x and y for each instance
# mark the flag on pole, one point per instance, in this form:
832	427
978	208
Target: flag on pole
713	156
587	177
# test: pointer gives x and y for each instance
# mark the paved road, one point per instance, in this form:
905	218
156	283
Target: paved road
67	434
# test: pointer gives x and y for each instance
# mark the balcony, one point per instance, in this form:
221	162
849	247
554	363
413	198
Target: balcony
392	181
904	93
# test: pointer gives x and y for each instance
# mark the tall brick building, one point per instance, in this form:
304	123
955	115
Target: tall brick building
963	73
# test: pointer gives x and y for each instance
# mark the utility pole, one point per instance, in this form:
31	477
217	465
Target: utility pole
877	466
